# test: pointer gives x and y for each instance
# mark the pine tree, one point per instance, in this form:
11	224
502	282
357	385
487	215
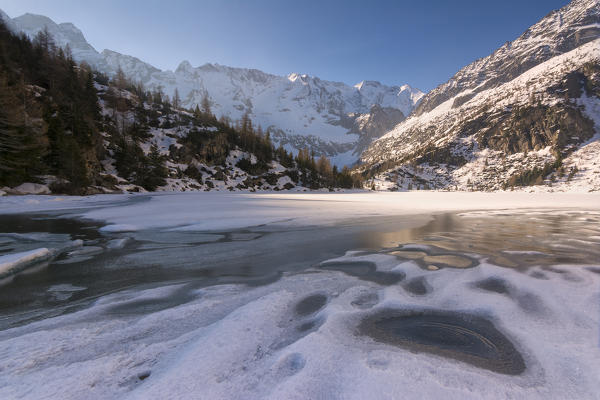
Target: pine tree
120	80
324	168
22	140
206	106
155	172
176	99
44	40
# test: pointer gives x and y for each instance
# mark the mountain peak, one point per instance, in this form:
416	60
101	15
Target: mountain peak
34	21
8	22
68	26
294	76
364	84
184	68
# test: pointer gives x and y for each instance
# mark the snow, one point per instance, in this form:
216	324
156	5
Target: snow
551	70
344	159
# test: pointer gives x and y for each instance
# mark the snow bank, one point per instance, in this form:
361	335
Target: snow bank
33	248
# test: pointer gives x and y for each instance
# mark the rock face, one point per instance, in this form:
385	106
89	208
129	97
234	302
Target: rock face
375	124
532	108
298	110
535	127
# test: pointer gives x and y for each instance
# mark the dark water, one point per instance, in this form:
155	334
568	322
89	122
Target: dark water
365	270
260	255
256	256
311	304
467	338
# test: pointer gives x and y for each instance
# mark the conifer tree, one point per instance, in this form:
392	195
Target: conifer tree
176	99
22	143
206	107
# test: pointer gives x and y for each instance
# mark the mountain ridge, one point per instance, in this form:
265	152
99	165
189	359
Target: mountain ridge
475	76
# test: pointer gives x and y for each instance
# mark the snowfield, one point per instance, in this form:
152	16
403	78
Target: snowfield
214	210
365	325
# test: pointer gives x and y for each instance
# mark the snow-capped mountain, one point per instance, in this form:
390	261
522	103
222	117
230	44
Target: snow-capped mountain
63	34
298	110
528	113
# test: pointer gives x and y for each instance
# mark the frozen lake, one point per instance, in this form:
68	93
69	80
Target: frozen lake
300	296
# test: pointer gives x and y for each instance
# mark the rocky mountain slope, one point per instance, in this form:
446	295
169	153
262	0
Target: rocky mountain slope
528	114
299	110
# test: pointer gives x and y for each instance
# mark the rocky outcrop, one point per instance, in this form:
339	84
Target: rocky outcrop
375	124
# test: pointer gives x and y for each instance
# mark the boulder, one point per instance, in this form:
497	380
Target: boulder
32	188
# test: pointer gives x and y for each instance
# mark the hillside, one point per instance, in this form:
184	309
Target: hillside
527	115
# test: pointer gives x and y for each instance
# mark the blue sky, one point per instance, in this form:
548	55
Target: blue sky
422	43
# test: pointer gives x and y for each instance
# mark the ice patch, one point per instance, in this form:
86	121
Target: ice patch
115	228
14	262
64	291
115	244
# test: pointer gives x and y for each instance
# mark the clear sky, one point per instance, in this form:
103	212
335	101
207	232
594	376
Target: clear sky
419	42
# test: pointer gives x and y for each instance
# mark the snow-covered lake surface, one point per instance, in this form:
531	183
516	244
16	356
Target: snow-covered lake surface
300	296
